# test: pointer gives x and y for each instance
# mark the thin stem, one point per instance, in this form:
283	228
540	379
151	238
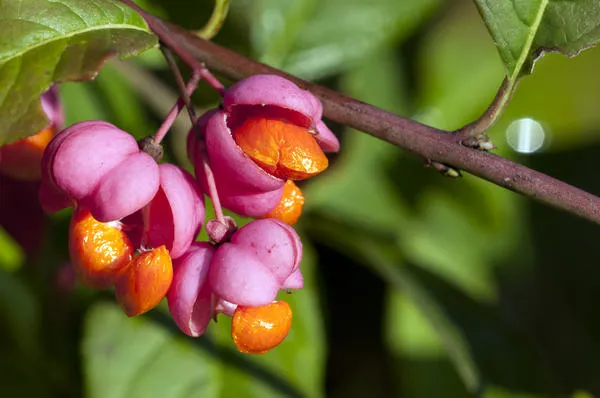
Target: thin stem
212	189
216	20
210	179
180	83
492	113
509	85
197	68
212	80
425	141
168	122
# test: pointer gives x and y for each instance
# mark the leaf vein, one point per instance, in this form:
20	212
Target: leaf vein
110	27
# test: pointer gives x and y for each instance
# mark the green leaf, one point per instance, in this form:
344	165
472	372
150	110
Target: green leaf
461	240
149	357
524	29
418	351
276	26
138	358
110	97
317	39
81	102
43	41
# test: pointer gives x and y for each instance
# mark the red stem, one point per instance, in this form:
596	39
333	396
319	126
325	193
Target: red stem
168	122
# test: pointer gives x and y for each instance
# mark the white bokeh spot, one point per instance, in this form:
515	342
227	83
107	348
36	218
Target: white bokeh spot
525	135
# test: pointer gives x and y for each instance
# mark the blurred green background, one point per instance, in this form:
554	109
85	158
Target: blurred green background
416	285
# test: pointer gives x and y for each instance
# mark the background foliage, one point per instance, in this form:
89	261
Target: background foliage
416	285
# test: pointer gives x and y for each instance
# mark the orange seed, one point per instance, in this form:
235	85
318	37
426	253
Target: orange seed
99	251
145	282
289	208
282	149
256	330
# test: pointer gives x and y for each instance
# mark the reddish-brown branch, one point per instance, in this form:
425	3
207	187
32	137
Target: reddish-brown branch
425	141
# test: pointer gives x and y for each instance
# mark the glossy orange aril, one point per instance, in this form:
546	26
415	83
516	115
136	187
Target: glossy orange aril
22	159
256	330
145	282
282	149
289	208
99	251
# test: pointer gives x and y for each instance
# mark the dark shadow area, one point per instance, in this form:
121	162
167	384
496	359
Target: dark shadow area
419	383
354	307
558	303
50	364
503	355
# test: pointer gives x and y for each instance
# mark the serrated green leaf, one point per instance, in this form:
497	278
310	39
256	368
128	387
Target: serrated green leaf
149	357
43	41
524	29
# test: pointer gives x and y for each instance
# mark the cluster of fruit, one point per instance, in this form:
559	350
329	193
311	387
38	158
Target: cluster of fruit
135	221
